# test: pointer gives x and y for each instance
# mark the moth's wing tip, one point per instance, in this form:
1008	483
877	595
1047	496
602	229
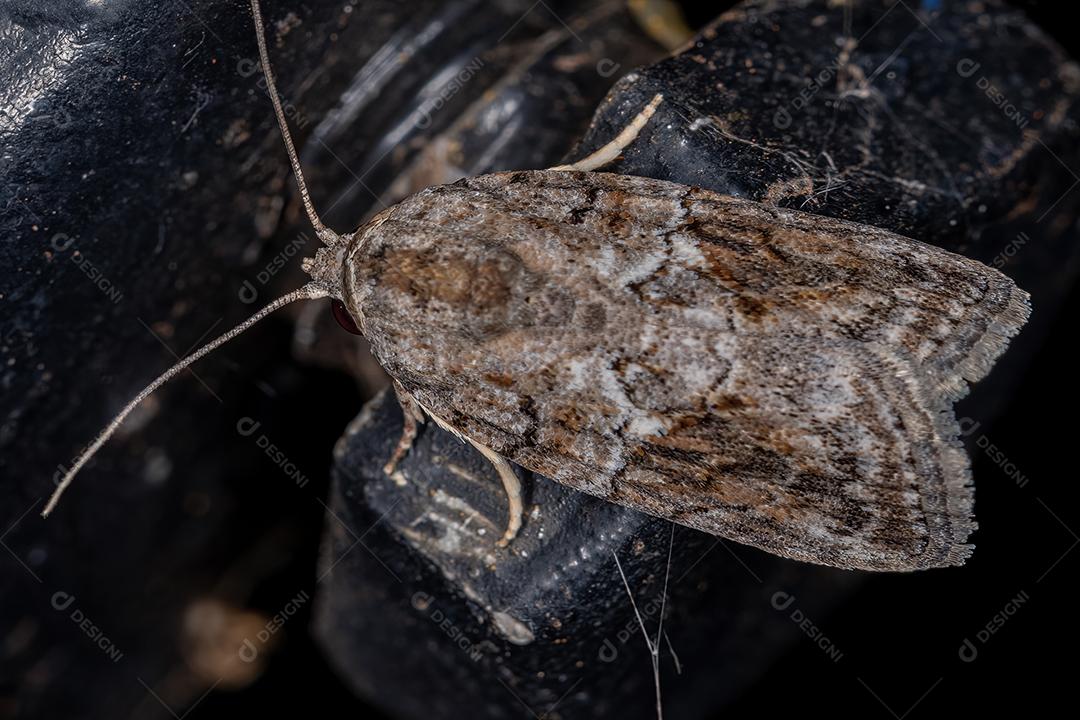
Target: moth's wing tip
953	524
1000	332
949	546
951	555
958	555
954	381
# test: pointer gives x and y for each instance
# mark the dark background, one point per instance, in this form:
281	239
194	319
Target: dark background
900	635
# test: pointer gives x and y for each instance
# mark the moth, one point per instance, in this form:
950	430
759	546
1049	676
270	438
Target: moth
776	378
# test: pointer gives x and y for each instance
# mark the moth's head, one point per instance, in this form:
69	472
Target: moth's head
325	268
326	274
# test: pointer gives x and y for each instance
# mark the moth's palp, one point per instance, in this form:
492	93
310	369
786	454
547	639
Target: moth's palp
413	415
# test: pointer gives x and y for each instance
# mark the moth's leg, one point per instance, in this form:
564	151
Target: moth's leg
612	150
511	485
509	478
414	415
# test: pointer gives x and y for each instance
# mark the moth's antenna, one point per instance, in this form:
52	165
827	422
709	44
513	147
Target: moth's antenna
328	236
309	291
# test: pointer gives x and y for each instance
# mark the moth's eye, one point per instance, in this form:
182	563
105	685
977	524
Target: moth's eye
344	319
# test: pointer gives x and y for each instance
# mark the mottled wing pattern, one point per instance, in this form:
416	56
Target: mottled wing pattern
780	379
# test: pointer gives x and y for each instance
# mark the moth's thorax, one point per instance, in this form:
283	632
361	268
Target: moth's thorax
408	268
350	280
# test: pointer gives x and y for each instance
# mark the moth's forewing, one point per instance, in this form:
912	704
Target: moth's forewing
777	378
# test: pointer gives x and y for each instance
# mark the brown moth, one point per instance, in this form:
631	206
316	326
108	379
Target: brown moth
776	378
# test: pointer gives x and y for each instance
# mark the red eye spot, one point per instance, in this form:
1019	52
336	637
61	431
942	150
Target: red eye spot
344	319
